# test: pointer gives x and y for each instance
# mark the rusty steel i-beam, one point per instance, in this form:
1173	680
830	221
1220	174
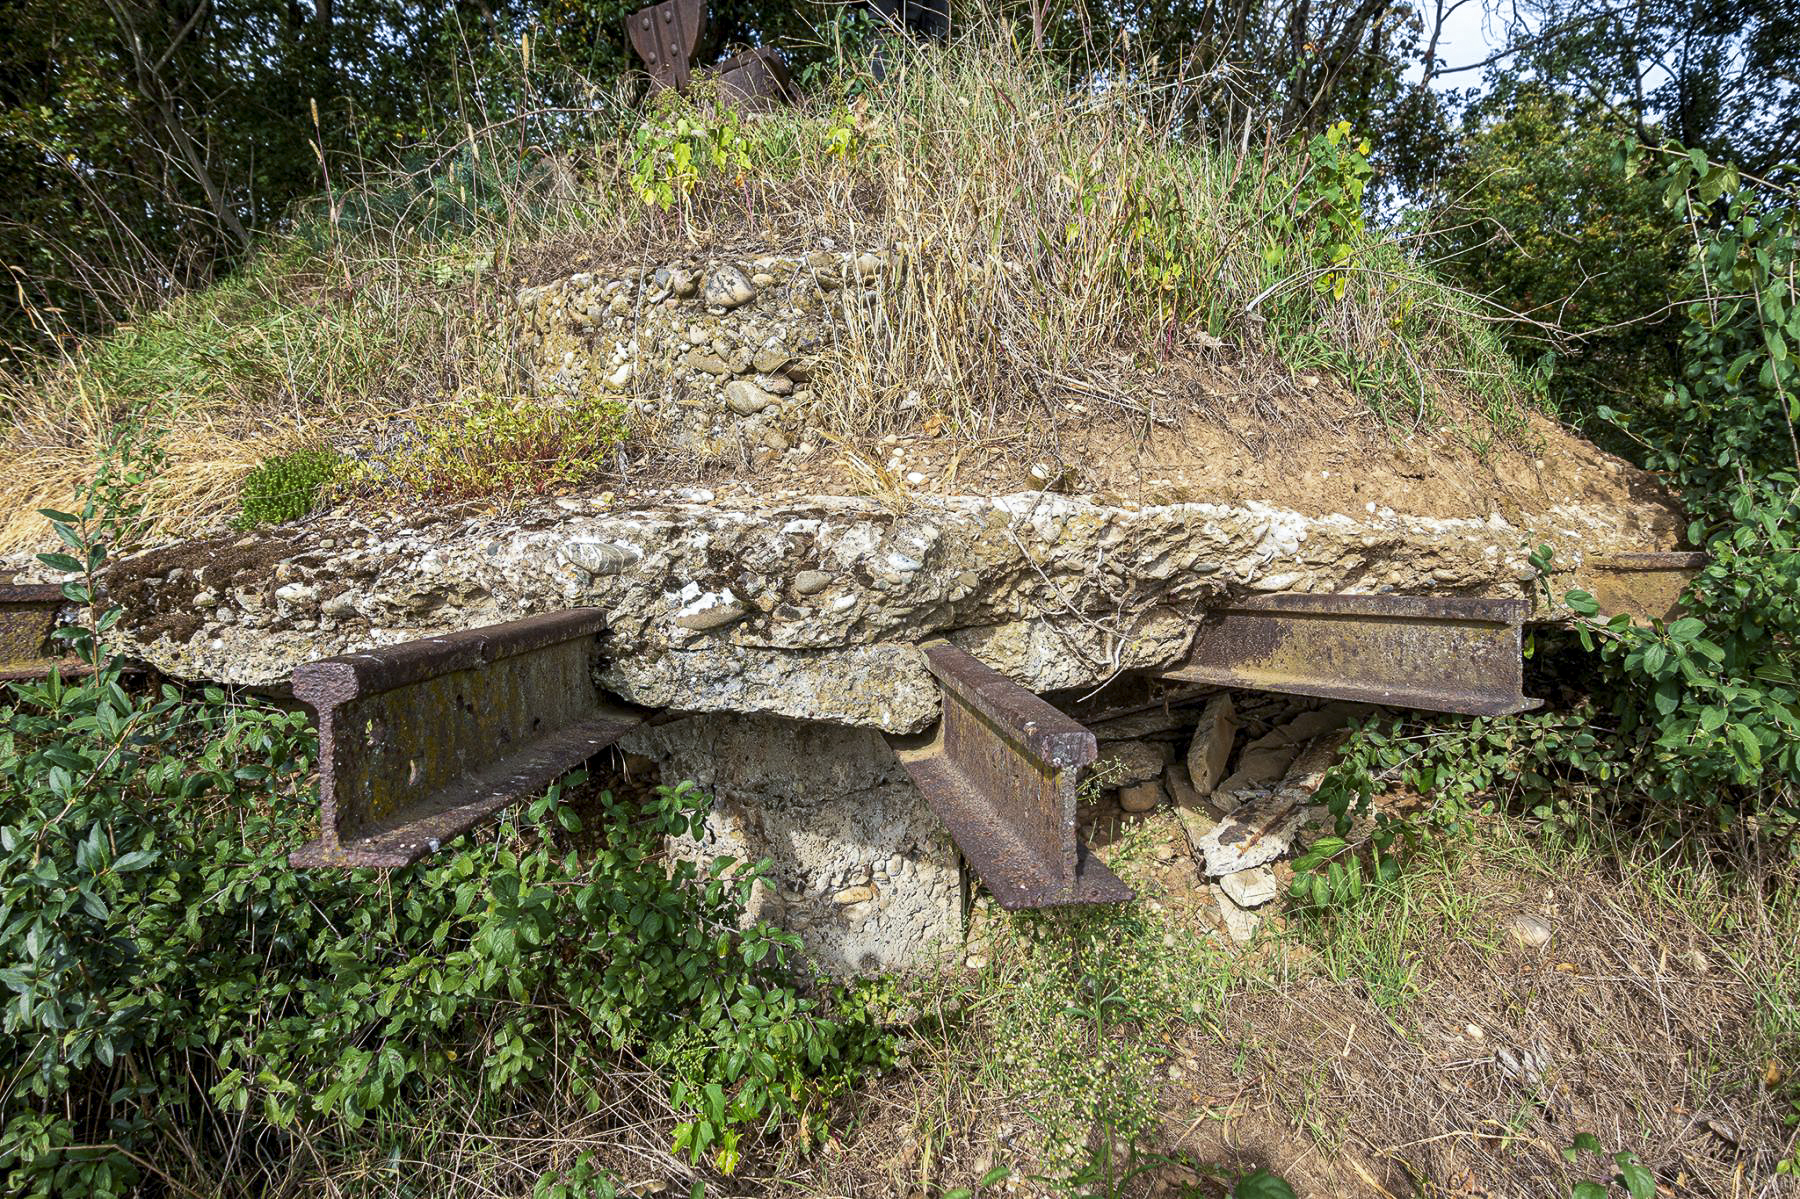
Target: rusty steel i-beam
665	36
419	742
1644	586
27	623
1438	654
1001	772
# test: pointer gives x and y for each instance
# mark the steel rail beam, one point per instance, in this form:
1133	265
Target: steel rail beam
421	741
665	36
1645	586
1001	771
27	624
1439	654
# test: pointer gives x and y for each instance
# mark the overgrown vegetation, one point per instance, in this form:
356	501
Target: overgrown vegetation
186	1012
180	999
1695	721
1059	251
506	445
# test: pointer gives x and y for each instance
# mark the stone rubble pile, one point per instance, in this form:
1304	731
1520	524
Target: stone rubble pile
717	359
1237	825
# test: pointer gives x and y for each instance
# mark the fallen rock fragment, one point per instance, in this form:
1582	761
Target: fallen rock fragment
1263	827
1250	888
1211	747
1141	797
1125	762
1529	931
1254	834
1240	925
1268	757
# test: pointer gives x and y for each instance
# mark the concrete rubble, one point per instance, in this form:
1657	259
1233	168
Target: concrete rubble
806	606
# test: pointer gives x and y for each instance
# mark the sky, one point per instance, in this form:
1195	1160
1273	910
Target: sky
1468	38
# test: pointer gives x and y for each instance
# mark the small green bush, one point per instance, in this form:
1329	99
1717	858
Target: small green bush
177	997
287	487
510	446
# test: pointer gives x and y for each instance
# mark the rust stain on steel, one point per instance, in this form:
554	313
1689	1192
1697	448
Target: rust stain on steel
1441	654
1001	771
756	80
419	742
665	36
1644	586
28	651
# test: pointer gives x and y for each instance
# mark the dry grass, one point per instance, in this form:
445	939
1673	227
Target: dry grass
1407	1047
1061	248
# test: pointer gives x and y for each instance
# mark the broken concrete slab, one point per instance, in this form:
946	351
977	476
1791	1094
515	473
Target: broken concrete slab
1253	834
1250	888
1270	756
1210	749
1029	583
1263	827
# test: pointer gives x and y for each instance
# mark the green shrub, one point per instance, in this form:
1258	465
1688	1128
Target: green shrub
175	992
1694	722
510	446
287	487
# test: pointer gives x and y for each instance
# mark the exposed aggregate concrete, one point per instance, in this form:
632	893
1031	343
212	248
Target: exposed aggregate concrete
809	607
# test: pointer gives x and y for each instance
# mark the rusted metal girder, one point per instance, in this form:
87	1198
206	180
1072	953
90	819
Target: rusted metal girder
1439	654
27	621
756	81
1001	771
419	742
1645	586
665	36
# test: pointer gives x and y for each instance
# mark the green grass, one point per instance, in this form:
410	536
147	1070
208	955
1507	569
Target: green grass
1071	1017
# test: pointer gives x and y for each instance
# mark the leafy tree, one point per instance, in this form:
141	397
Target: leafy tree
1538	212
1713	75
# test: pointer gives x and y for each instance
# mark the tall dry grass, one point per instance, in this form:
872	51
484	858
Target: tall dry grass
1054	243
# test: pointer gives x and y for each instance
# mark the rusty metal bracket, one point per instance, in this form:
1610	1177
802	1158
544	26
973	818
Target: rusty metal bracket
1001	772
27	622
1645	586
756	81
421	741
1440	654
665	36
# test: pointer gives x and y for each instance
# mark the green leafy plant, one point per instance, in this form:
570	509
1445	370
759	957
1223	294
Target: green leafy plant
1260	1184
1696	718
497	445
1325	219
1632	1177
173	986
679	143
583	1179
287	487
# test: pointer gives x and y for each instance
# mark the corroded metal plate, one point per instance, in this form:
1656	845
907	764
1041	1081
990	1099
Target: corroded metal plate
1439	654
1645	586
756	81
28	651
421	741
665	36
1002	772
